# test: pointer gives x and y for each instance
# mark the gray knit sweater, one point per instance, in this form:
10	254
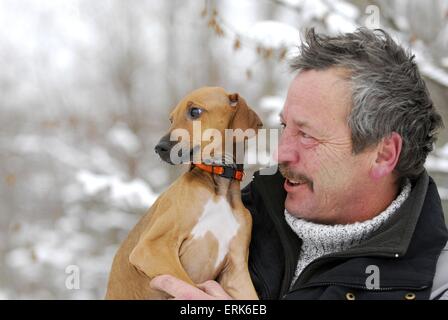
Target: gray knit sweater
320	239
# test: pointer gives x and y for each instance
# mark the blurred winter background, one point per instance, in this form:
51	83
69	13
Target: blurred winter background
86	88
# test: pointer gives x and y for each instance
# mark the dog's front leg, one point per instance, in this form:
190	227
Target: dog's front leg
235	278
157	257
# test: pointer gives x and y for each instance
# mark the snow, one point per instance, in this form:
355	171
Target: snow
294	3
345	9
443	192
135	193
337	23
18	21
272	105
436	164
51	253
43	250
433	72
444	62
273	34
124	138
3	295
314	9
101	222
19	257
26	143
292	52
102	160
68	224
61	151
443	151
309	9
426	64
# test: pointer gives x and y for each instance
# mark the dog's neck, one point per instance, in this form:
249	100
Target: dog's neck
221	186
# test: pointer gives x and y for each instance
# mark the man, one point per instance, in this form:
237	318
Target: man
353	214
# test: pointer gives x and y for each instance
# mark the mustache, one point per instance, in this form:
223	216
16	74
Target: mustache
289	174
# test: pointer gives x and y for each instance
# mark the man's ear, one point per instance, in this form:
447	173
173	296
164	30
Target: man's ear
244	117
388	153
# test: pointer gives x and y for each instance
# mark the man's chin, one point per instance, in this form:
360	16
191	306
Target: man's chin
295	208
291	207
299	214
306	213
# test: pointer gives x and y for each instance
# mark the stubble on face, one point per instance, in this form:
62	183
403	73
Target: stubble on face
290	174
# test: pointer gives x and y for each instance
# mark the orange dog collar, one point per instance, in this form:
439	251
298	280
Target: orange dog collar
222	171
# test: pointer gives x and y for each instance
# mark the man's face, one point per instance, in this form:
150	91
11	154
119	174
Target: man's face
324	179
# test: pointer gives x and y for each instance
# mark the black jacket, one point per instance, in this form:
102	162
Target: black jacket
405	249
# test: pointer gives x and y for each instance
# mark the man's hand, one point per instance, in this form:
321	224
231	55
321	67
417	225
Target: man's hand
180	290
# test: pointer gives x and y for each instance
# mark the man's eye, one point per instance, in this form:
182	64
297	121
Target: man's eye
195	113
307	139
304	135
282	125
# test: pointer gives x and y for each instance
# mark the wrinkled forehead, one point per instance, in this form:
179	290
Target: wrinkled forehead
326	92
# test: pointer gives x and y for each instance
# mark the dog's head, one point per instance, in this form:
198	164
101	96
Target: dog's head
200	121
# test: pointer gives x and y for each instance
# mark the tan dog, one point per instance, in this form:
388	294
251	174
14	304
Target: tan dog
198	229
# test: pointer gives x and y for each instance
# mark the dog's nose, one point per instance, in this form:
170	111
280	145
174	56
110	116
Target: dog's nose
162	147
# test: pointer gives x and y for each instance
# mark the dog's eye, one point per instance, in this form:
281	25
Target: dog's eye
194	113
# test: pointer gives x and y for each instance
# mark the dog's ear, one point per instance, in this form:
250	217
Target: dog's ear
244	117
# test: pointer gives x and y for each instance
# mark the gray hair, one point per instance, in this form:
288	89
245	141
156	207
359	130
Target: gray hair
388	92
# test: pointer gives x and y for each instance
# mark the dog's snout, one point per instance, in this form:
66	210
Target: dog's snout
162	147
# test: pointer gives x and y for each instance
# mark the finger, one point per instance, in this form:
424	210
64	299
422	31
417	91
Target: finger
177	288
214	289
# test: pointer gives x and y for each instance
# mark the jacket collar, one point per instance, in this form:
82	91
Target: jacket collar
394	237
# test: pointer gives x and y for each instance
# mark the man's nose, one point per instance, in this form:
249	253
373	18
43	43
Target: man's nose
287	151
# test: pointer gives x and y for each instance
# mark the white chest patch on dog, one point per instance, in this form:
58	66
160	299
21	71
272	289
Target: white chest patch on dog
218	219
